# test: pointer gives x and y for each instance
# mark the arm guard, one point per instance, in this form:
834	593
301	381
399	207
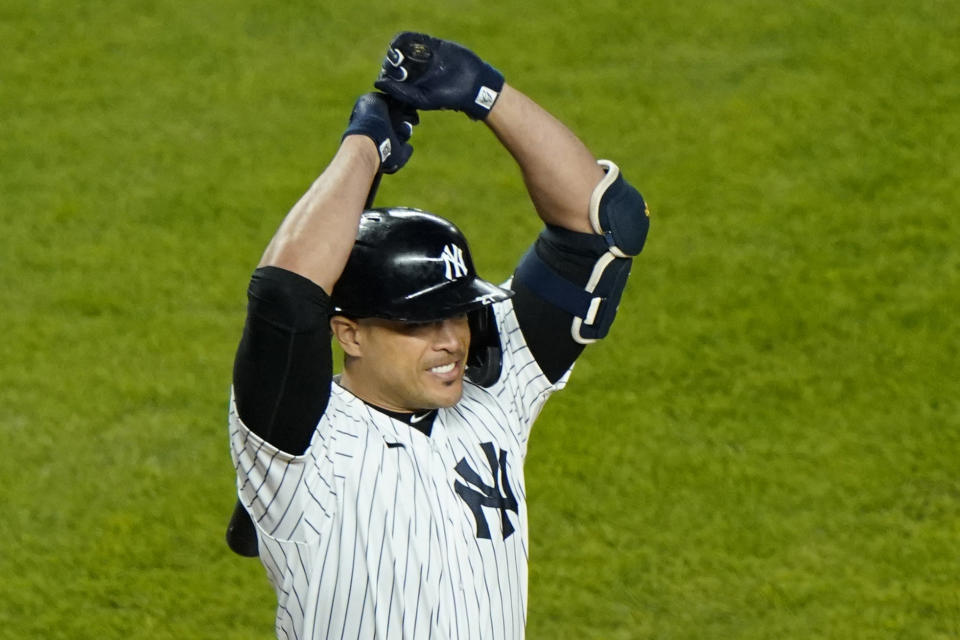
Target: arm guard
620	217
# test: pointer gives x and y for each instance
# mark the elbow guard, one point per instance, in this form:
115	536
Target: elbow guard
619	215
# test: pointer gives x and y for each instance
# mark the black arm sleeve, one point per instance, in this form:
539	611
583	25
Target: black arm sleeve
284	363
546	328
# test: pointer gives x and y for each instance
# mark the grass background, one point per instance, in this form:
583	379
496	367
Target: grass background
767	446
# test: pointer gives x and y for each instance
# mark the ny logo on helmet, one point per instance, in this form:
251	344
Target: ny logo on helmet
454	266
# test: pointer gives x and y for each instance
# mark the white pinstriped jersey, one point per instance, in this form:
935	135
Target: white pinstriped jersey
379	531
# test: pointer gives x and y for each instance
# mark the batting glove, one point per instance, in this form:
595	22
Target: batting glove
429	73
388	123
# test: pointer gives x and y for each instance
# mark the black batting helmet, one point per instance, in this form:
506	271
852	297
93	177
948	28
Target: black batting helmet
413	266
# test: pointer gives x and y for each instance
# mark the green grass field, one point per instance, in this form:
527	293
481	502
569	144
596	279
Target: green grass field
767	446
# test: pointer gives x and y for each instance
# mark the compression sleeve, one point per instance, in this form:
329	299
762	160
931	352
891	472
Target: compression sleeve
545	327
284	363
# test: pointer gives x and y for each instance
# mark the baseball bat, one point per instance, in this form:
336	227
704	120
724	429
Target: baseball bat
417	58
368	204
241	534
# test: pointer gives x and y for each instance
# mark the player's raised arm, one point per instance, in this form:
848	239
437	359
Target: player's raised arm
283	364
559	171
569	284
317	234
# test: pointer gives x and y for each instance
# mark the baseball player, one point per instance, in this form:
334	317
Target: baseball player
389	501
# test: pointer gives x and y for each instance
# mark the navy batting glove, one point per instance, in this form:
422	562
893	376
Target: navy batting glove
388	123
430	73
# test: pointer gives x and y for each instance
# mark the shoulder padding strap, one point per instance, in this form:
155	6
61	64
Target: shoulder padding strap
594	306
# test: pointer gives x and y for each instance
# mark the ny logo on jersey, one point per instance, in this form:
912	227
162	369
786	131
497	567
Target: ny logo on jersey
483	495
454	266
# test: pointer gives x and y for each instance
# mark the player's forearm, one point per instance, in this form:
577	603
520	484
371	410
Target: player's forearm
315	238
559	171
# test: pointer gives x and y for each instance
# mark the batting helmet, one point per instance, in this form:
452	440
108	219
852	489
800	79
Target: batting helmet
413	266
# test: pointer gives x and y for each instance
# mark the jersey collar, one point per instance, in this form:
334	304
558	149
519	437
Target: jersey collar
420	420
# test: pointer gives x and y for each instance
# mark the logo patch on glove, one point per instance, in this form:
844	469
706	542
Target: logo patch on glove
385	149
486	97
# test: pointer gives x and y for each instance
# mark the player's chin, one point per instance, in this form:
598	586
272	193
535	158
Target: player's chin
450	395
446	393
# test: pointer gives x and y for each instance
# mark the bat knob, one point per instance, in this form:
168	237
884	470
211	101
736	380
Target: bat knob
419	52
417	57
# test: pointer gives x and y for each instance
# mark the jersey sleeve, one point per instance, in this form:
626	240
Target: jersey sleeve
284	362
522	387
289	497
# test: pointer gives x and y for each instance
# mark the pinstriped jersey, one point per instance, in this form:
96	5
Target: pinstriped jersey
380	531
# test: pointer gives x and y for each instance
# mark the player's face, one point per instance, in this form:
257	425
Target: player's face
406	367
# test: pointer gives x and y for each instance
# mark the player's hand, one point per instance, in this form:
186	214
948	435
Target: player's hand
430	73
388	123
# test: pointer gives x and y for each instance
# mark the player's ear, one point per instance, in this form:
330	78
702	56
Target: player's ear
345	331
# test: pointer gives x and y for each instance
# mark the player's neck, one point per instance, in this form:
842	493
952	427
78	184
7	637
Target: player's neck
421	419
